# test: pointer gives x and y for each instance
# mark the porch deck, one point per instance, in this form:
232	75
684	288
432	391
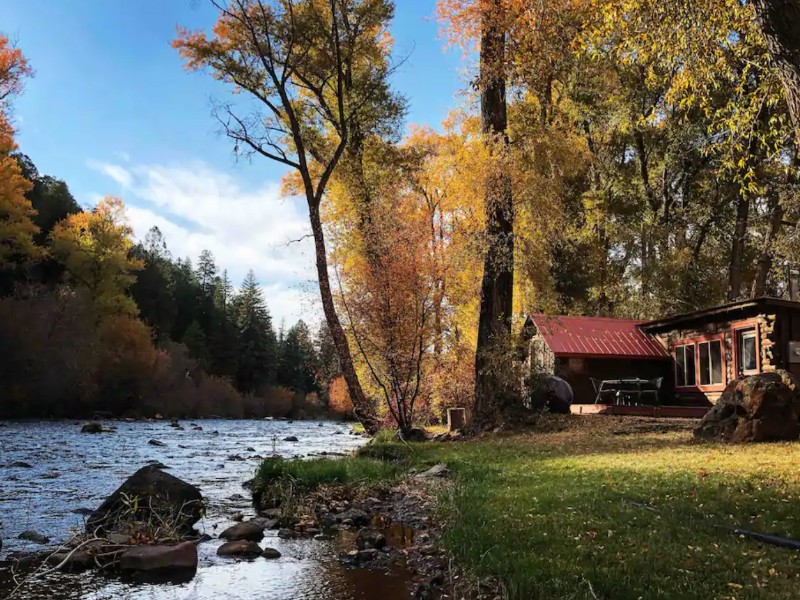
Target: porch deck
681	412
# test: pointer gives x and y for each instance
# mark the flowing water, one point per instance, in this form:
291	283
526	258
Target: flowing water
71	471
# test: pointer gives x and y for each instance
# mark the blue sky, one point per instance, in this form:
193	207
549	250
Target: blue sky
111	110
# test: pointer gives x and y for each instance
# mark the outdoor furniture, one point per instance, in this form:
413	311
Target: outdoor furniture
627	392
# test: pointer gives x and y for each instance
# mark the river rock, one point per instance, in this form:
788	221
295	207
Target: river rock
249	530
72	562
354	516
159	558
243	548
171	499
758	408
367	554
291	438
285	534
33	536
93	427
439	470
270	553
370	538
156	443
19	464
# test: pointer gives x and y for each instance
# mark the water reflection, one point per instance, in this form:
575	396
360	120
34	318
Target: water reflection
71	471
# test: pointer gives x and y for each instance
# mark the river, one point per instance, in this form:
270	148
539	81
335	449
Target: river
71	471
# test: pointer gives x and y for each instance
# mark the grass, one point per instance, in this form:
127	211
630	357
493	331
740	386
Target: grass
553	516
279	482
560	513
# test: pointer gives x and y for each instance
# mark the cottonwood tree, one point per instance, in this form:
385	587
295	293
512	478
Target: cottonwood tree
488	21
94	248
315	71
780	24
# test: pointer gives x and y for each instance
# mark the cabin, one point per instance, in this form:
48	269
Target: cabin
712	347
695	355
582	349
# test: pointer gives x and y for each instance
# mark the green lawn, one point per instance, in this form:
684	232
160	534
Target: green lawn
554	514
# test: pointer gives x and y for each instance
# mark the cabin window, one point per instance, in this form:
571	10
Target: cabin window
709	356
747	347
684	365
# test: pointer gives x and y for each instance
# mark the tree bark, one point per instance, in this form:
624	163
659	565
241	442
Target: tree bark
780	23
764	264
494	326
362	407
737	249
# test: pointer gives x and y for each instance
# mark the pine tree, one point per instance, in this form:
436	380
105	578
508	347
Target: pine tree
154	288
327	359
257	342
299	360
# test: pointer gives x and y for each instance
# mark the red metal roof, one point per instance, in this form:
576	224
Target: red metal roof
597	337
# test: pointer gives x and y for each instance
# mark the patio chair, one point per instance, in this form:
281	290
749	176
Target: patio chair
654	391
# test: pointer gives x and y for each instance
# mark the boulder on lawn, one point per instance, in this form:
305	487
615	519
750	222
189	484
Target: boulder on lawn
159	558
243	548
92	427
161	495
758	408
551	393
249	530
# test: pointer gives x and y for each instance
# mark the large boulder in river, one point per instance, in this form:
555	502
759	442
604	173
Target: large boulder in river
149	495
758	408
551	393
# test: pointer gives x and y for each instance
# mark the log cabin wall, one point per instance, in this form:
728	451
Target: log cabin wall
776	324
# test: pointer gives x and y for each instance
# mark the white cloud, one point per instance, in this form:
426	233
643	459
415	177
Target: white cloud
119	174
197	207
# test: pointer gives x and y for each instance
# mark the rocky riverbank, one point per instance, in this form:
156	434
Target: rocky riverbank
385	525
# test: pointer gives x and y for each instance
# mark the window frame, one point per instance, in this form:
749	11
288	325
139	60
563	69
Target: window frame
685	346
695	342
737	329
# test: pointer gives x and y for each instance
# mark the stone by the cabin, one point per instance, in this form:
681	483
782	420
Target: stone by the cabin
551	393
756	408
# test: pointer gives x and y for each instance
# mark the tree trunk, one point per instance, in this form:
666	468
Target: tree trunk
494	326
764	265
363	408
780	23
737	250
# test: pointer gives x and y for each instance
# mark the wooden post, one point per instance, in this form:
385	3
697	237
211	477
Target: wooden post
456	419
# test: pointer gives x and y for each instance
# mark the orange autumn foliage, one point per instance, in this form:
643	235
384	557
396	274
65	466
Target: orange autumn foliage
339	402
16	227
